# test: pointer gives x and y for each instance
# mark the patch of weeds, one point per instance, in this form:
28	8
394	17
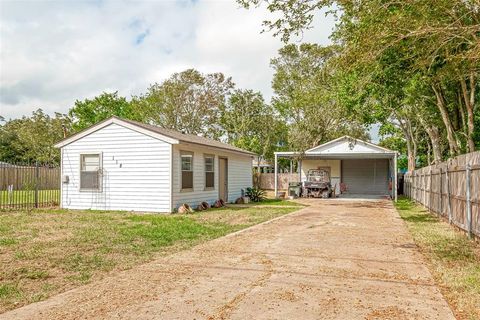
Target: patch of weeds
38	297
33	274
82	277
8	290
7	241
78	262
29	254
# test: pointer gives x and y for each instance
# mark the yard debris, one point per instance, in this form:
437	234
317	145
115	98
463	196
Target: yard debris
185	209
242	200
203	206
219	203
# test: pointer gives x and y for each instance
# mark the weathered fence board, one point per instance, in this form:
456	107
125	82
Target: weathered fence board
266	181
450	189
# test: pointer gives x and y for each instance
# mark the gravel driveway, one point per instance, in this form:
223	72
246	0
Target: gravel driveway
332	260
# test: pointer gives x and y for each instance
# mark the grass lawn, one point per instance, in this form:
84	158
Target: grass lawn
454	260
51	197
46	252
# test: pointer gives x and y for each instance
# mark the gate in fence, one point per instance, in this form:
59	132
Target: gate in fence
450	189
29	185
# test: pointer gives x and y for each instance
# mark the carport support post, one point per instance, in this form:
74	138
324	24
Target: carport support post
395	195
275	177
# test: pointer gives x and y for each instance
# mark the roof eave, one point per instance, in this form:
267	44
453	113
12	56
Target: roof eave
118	121
244	152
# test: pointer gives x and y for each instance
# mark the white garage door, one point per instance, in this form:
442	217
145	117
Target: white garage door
366	176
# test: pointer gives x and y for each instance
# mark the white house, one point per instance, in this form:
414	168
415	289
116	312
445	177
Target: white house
121	164
361	167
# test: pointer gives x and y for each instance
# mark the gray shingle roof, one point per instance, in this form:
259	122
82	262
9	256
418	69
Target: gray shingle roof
188	138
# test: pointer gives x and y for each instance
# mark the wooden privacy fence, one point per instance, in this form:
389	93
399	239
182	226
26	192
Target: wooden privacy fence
450	189
266	181
24	186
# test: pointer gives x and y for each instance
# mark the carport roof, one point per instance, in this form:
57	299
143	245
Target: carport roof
343	148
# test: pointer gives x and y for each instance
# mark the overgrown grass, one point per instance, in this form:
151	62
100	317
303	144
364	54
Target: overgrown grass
454	260
45	252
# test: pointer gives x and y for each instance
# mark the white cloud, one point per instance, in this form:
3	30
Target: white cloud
52	53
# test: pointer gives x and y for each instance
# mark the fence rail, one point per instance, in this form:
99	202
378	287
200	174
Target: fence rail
29	185
450	189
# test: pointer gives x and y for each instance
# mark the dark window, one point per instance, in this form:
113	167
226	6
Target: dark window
187	171
90	176
209	171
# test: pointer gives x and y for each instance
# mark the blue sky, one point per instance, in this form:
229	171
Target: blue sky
54	52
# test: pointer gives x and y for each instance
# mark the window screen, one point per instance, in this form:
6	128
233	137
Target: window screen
187	171
209	172
90	172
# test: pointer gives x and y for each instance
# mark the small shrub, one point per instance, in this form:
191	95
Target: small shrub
255	194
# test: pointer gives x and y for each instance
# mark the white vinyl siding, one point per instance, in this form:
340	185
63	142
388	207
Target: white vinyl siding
135	171
239	175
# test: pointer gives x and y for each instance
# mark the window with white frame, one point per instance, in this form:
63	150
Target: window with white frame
90	171
187	170
209	171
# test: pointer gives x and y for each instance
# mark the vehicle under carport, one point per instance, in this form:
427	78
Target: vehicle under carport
355	167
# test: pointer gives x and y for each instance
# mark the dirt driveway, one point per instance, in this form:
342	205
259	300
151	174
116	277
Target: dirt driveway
333	260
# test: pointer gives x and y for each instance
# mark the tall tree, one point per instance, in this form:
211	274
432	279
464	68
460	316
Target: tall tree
251	124
302	85
90	111
437	39
188	101
32	138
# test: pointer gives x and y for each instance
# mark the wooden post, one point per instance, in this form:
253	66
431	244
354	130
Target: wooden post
468	204
440	193
430	188
37	177
424	189
449	202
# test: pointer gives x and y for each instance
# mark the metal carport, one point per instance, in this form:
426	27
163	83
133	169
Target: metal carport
359	164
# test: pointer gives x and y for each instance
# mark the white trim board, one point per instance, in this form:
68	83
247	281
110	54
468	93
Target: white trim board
119	122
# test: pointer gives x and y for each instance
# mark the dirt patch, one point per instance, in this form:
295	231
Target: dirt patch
352	267
392	312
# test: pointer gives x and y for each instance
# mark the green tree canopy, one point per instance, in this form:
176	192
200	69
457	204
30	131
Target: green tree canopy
188	101
251	124
303	83
32	138
90	111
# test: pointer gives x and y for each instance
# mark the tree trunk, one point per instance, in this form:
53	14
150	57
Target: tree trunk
434	136
452	143
411	145
410	154
469	100
429	153
462	112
